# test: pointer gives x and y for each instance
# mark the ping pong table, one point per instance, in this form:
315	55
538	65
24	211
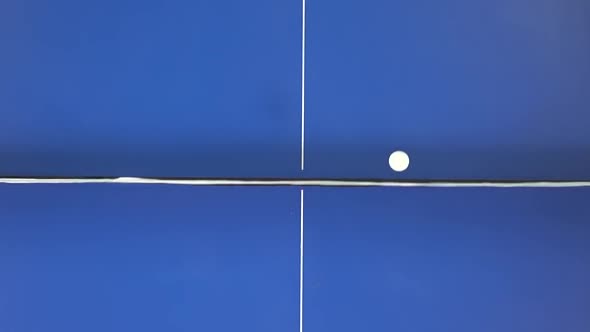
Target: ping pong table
259	137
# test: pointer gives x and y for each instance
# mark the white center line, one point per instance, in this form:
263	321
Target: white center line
303	86
301	267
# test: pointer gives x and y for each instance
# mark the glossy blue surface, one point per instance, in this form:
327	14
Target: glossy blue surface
470	89
148	258
150	88
447	259
151	258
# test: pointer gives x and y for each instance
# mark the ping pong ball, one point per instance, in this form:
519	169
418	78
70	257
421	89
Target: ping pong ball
399	161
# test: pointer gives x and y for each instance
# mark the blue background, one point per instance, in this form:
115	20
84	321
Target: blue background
470	89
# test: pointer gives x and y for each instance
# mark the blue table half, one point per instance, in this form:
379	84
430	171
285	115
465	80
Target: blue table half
149	257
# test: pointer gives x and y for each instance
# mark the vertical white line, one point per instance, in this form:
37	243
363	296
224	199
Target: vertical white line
303	87
301	266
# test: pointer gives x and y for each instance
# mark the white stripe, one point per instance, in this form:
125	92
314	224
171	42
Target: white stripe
321	183
303	86
301	267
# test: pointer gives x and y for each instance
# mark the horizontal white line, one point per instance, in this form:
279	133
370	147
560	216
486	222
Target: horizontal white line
321	183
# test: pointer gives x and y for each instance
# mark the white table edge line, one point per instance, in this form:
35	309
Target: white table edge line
302	182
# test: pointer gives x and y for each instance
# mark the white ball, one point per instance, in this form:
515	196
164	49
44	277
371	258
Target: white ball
399	161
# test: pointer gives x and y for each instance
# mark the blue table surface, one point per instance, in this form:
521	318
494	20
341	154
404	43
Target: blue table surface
152	258
470	89
146	258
